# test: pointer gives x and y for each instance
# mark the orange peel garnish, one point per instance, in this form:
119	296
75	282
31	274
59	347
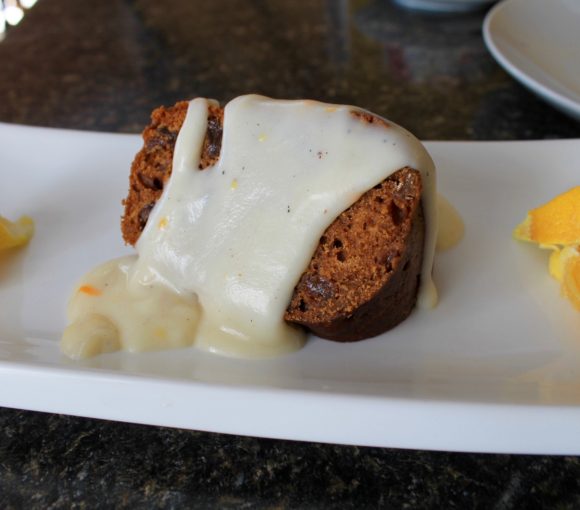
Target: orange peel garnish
571	276
15	233
554	223
556	226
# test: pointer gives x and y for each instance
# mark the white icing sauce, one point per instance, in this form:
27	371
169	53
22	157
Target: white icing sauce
106	314
231	242
451	228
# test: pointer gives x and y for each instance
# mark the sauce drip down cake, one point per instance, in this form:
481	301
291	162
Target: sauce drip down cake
258	221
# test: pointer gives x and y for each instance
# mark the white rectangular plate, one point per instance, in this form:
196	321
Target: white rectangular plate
495	367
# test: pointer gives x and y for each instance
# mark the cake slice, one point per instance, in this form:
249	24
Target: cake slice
364	276
365	273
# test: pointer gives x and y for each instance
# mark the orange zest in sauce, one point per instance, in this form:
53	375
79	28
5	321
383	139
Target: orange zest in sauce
90	290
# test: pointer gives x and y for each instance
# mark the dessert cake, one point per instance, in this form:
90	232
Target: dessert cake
268	217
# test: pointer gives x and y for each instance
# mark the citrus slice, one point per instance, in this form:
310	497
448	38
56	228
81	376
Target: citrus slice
571	275
15	233
556	264
554	223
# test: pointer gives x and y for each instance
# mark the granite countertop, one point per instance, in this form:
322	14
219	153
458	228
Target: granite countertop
97	65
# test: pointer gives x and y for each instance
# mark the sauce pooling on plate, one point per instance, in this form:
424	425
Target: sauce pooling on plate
224	247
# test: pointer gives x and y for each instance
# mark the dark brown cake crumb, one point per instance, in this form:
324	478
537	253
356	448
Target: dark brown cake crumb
369	118
212	143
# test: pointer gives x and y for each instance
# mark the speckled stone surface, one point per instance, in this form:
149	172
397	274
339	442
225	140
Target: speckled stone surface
49	461
103	66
